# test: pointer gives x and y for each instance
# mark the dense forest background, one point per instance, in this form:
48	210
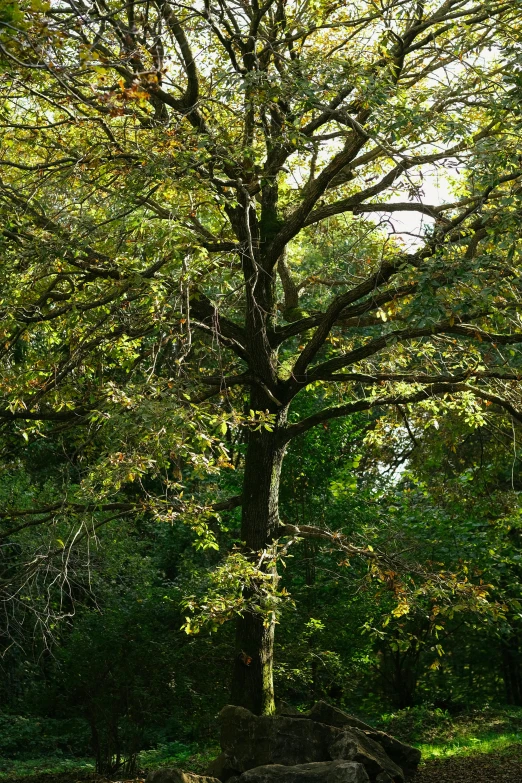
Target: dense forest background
118	674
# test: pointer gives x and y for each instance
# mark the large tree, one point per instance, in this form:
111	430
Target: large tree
199	223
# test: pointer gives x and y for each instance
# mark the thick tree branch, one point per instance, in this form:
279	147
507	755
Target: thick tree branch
383	274
282	334
210	319
420	377
354	203
48	513
358	406
398	336
297	220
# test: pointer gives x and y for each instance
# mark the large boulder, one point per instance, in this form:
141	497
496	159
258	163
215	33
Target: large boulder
221	768
325	745
403	755
175	775
406	756
250	740
283	708
332	716
355	745
315	772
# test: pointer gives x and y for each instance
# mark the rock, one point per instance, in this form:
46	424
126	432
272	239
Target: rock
283	708
332	716
355	745
252	741
315	772
221	768
404	755
215	768
383	777
175	775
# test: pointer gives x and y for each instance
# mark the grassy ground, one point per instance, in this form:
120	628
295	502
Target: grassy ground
174	754
440	735
484	764
12	769
471	746
190	757
481	746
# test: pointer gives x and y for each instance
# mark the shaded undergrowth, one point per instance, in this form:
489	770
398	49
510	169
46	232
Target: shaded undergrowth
489	733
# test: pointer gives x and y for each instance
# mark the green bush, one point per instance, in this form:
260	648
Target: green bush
416	723
24	737
191	756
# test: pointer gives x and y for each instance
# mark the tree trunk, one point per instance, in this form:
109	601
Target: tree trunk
252	681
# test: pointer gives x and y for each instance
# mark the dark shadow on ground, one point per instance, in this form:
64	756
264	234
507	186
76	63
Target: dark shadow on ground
502	767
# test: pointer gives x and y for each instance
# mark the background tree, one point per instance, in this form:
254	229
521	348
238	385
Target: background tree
167	172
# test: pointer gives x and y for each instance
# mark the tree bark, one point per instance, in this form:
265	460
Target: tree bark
252	680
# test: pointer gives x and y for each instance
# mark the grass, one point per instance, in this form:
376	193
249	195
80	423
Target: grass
21	768
471	746
439	735
191	757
